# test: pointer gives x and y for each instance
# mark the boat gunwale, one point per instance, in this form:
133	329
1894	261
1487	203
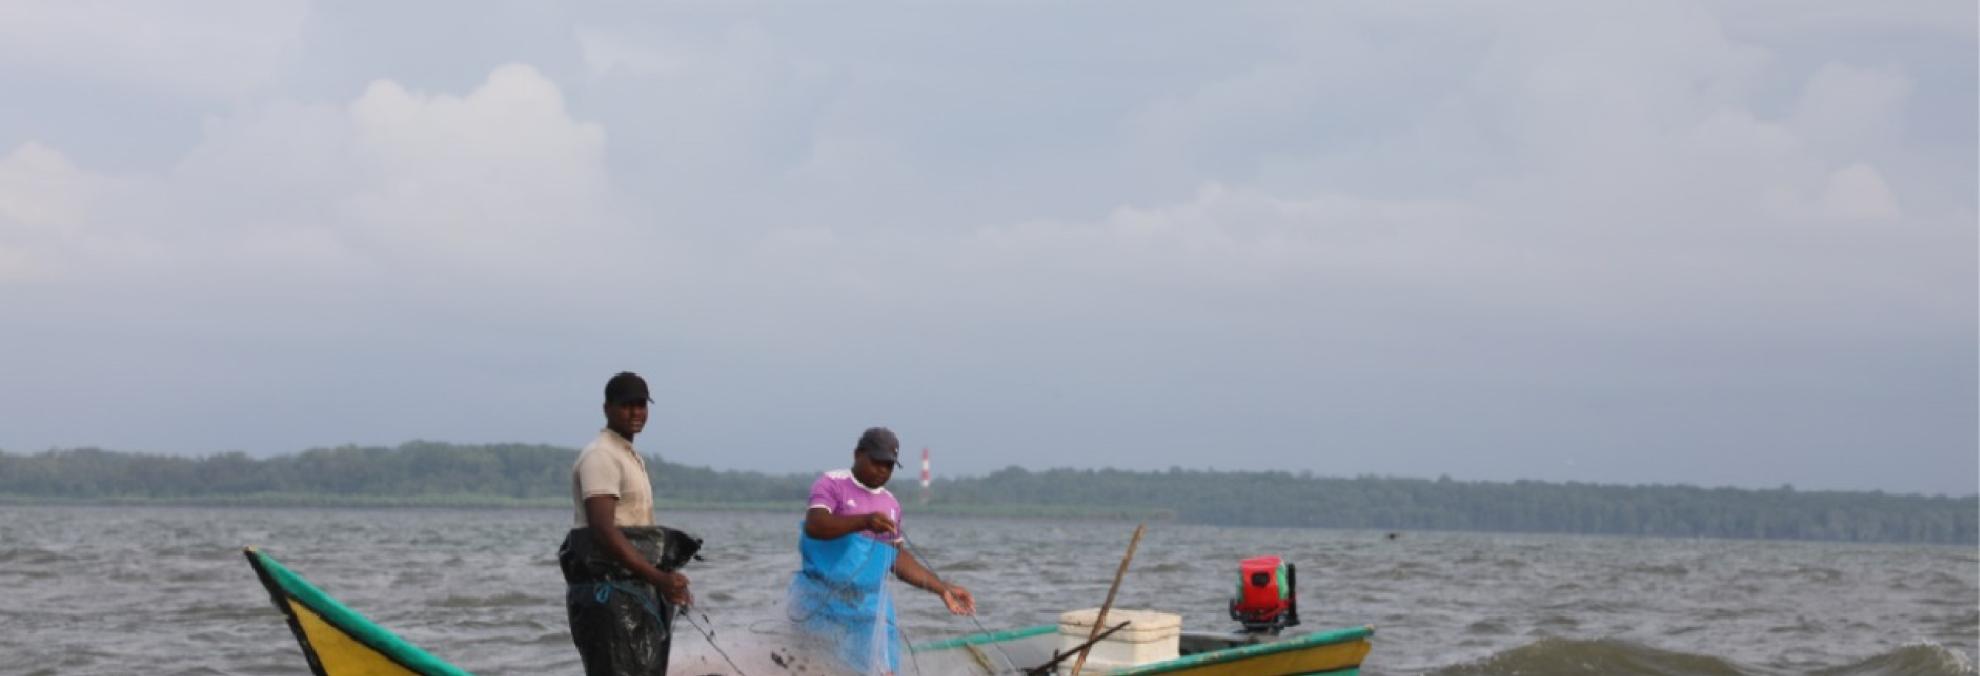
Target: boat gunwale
1221	656
1241	653
984	637
282	582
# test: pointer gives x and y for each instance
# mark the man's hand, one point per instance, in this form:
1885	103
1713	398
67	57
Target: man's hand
879	523
674	586
958	599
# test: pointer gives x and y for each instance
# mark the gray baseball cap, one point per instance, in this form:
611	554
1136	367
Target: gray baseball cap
880	445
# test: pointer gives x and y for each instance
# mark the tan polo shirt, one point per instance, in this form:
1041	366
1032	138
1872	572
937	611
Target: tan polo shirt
610	466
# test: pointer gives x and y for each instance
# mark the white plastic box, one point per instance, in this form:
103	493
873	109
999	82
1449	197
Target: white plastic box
1152	637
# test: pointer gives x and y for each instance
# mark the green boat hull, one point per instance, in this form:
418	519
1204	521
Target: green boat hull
1331	652
337	641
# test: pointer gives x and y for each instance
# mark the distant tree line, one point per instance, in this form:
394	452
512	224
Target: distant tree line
1387	503
438	473
512	472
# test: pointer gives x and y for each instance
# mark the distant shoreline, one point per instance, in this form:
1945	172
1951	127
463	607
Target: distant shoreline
494	476
1019	512
1045	512
307	501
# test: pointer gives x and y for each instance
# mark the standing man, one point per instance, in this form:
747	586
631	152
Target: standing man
623	589
850	541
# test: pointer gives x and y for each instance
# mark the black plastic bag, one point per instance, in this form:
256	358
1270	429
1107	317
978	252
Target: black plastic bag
622	626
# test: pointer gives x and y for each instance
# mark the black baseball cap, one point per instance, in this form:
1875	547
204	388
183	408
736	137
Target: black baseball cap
880	445
626	388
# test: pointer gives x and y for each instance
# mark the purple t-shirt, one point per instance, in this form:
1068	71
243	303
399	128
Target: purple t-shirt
842	495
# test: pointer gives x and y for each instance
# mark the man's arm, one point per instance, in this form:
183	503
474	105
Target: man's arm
598	514
910	570
821	524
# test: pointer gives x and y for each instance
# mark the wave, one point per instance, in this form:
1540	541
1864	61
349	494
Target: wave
33	556
968	565
504	599
1564	656
1623	658
1911	658
1668	570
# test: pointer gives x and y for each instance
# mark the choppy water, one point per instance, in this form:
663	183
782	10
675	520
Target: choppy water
166	591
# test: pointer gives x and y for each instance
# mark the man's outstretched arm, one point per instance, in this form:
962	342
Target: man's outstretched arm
910	570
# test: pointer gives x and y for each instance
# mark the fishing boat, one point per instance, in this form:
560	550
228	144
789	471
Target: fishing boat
339	641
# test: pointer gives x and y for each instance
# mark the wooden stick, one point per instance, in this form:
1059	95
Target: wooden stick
1101	619
1057	657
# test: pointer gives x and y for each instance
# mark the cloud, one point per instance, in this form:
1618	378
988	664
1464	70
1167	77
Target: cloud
499	186
1331	221
210	49
46	204
1852	112
1644	183
496	178
43	189
1831	20
1857	192
1227	236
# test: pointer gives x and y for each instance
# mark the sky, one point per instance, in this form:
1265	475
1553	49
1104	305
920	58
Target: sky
1712	243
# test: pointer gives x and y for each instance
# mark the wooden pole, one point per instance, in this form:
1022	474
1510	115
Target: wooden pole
1100	620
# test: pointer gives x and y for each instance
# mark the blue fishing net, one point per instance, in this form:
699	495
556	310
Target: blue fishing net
839	600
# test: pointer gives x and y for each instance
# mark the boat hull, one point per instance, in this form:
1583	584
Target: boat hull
336	640
1333	652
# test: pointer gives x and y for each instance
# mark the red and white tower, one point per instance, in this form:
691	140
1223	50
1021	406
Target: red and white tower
924	476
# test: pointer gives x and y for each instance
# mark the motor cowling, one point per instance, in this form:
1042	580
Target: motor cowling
1267	599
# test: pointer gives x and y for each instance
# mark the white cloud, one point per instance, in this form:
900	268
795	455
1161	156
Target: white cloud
497	177
46	204
499	185
1858	193
40	188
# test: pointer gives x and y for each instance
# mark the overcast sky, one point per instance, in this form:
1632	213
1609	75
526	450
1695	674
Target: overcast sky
1623	242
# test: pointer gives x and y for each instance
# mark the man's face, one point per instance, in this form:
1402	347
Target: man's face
871	472
626	419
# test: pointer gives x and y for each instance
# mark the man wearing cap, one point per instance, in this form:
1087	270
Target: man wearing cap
617	561
851	540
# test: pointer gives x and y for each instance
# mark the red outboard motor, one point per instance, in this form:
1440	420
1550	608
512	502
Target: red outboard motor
1266	601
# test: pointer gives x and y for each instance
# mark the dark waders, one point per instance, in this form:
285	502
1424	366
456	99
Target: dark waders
622	626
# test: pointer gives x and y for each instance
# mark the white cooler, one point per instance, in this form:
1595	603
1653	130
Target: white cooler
1152	637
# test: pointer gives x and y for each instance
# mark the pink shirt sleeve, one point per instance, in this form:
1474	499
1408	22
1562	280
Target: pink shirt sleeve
822	495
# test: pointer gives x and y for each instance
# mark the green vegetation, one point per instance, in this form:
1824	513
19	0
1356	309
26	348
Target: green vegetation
1286	499
434	474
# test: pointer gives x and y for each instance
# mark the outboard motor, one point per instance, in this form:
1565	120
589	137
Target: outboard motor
1266	600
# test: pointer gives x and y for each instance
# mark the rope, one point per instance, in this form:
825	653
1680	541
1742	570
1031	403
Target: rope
908	645
972	617
602	592
709	633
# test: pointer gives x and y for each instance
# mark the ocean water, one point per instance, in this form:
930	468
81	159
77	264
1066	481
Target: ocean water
99	590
